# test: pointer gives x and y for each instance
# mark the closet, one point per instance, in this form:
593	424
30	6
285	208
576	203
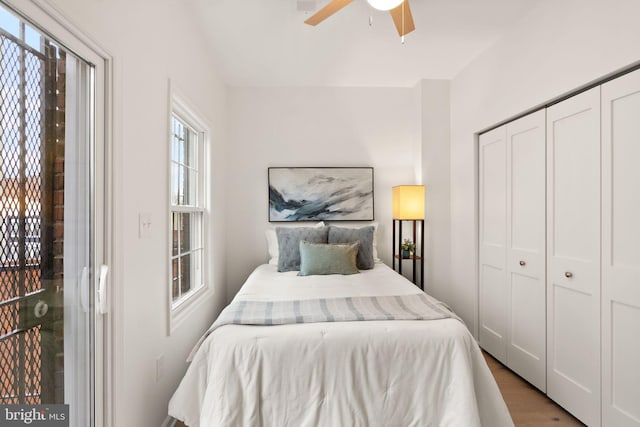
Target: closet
559	250
512	241
573	255
621	251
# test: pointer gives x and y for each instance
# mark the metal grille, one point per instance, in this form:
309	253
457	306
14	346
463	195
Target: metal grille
21	378
22	142
33	366
8	389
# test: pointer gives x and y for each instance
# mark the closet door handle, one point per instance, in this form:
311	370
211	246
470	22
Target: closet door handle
568	274
522	263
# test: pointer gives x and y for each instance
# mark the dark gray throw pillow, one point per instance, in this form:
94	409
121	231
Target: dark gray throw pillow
289	244
363	236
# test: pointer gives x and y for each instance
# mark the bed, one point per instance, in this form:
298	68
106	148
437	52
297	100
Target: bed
338	373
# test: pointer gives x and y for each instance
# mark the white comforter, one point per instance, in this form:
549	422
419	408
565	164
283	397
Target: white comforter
369	373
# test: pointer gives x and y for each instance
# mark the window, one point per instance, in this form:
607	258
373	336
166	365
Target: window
187	206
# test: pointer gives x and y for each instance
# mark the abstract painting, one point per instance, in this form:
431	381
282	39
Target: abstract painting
320	194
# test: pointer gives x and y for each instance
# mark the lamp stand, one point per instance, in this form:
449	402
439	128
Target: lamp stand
397	249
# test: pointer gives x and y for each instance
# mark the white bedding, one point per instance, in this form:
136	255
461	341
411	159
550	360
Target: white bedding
368	373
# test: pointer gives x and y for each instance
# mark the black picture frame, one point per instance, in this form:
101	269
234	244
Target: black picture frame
300	194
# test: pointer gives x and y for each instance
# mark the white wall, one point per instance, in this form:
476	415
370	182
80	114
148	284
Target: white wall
560	46
435	129
376	127
151	42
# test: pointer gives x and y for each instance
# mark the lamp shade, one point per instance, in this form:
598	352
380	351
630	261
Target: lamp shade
408	202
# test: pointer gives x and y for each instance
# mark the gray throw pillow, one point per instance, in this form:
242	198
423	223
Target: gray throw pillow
323	258
289	244
363	236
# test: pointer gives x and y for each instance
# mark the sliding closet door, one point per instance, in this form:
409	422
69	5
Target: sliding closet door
621	251
573	255
526	348
493	297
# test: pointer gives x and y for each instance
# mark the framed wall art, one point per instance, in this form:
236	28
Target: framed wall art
320	194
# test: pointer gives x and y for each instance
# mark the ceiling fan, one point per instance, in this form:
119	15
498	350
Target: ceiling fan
399	9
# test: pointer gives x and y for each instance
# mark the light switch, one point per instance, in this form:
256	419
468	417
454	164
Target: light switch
159	367
144	225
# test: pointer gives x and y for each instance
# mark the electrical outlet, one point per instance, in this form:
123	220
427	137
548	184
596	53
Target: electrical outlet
159	367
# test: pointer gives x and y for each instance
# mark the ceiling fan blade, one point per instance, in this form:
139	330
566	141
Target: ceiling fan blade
396	14
327	11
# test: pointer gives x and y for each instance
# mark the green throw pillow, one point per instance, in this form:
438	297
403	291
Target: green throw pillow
323	258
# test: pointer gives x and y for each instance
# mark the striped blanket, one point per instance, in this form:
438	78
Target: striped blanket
269	313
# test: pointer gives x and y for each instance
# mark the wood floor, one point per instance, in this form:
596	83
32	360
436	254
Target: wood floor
528	407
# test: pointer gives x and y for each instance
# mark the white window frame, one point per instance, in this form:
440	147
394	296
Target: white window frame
189	115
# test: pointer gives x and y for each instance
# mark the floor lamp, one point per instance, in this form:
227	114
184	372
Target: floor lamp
408	205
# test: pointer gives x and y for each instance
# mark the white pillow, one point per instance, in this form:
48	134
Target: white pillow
375	242
272	239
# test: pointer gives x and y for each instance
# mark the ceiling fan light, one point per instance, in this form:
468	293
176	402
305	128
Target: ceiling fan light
385	4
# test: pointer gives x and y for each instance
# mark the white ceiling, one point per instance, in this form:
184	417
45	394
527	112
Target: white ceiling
266	43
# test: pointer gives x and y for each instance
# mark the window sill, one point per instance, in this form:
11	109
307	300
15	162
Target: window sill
181	310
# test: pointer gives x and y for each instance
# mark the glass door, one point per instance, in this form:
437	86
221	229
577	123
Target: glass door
46	303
